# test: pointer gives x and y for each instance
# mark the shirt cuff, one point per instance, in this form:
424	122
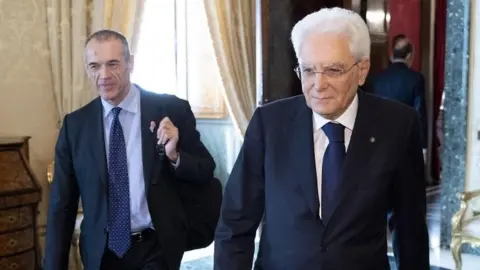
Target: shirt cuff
175	164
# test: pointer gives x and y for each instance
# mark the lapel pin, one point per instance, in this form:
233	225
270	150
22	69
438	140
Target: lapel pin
152	126
372	139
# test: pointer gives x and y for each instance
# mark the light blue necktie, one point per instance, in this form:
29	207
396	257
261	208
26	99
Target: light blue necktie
119	231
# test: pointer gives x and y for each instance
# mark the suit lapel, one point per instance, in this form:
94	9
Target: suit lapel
149	112
359	152
301	153
98	139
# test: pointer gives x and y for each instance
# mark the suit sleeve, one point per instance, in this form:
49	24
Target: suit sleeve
420	107
243	204
195	160
410	205
63	205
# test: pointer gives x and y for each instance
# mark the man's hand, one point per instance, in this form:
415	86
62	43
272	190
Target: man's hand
167	134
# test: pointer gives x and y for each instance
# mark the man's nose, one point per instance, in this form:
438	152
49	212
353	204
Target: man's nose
104	72
320	81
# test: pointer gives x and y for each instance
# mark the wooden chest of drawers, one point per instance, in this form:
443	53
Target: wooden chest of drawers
19	197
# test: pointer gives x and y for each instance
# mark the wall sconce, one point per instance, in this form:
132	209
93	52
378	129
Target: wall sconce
377	16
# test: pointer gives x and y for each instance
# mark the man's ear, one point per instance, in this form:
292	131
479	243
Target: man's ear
364	67
131	63
409	59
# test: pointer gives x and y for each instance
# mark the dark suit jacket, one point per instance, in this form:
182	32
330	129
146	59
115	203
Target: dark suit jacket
81	170
405	85
275	176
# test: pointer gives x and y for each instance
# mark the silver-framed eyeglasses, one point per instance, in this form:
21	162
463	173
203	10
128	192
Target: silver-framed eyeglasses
309	73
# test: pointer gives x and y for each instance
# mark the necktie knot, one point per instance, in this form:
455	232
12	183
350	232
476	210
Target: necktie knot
335	132
116	111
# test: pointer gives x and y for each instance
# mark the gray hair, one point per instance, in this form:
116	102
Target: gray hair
107	34
335	20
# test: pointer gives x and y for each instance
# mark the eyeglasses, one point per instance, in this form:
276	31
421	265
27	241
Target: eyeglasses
308	74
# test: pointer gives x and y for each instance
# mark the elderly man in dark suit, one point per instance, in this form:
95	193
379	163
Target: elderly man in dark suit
128	154
325	168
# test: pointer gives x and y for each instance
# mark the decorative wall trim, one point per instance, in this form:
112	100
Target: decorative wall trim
42	230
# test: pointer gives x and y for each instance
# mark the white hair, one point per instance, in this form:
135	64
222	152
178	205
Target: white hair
335	20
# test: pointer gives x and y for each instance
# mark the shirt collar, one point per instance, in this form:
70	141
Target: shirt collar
347	119
130	103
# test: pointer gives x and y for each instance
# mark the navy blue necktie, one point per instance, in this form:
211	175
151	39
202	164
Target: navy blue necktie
119	231
332	167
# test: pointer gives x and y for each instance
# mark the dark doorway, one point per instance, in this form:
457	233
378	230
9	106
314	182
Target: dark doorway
277	20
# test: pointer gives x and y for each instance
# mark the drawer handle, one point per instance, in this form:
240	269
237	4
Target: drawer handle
12	242
12	219
13	266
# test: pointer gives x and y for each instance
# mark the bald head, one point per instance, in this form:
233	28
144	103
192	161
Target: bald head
402	49
106	35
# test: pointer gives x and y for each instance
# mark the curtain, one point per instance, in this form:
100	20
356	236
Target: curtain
123	16
438	82
232	29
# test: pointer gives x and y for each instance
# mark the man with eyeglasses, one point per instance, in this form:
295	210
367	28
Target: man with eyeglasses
325	168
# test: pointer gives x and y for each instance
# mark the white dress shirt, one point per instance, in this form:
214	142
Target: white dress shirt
130	120
320	140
